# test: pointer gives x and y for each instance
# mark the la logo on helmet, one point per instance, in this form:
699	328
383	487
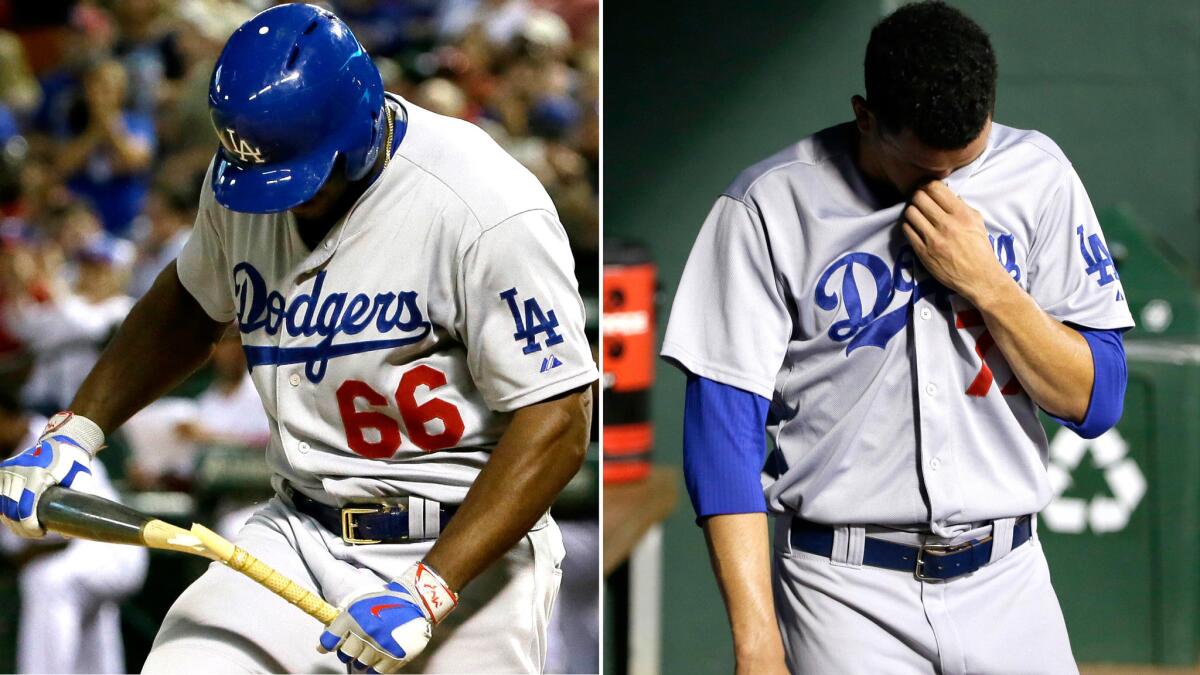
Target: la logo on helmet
241	148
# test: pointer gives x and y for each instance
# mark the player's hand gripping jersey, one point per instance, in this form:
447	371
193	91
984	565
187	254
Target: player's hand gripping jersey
388	357
801	288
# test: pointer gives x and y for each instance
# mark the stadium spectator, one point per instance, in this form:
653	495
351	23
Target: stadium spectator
229	411
148	50
165	438
501	20
65	328
19	91
107	157
442	97
160	234
15	264
186	140
66	230
390	27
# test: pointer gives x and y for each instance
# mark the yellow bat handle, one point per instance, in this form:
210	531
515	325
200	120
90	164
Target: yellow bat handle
202	541
282	586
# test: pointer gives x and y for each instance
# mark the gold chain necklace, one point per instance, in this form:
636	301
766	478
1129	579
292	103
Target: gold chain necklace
387	147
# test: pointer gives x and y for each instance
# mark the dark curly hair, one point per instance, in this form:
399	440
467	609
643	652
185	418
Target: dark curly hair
931	69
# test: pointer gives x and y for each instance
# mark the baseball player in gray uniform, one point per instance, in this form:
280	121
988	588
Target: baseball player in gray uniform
892	300
406	302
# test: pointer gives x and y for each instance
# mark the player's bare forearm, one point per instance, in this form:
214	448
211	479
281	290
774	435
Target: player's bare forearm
542	449
1051	360
166	337
739	549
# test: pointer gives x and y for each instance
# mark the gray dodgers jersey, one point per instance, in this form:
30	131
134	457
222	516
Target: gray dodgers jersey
802	288
390	357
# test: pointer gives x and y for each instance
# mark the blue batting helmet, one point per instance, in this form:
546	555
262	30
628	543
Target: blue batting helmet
292	92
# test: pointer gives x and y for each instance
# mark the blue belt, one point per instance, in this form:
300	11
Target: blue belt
383	522
929	562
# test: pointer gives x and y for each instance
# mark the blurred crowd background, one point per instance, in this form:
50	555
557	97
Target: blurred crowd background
104	142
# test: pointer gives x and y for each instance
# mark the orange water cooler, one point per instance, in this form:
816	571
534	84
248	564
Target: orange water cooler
629	357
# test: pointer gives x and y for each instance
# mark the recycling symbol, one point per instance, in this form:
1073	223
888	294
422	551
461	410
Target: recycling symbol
1102	513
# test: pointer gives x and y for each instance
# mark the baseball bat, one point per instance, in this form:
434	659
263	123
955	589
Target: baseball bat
78	514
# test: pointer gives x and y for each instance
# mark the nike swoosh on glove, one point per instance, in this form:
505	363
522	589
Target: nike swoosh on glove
380	631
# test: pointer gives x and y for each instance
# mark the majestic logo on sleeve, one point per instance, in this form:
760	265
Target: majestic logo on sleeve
866	279
397	316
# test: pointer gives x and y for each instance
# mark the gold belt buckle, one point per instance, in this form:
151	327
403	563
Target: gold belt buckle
940	550
350	526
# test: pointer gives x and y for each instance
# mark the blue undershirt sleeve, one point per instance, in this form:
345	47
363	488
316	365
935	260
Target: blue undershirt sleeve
724	448
1108	387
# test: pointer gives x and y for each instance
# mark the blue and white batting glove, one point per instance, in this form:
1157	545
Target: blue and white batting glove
65	449
380	631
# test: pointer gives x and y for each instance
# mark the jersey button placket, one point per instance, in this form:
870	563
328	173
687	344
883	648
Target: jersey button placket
930	406
318	256
292	395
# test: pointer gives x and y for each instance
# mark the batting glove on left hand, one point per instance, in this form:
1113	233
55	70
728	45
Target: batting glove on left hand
64	450
380	631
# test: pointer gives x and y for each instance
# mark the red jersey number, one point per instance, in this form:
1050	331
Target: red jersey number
357	422
418	417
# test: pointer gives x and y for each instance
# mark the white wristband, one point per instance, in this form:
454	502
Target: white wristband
436	597
78	428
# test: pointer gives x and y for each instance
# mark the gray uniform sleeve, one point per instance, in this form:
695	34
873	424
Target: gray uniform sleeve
1071	273
520	314
202	265
730	322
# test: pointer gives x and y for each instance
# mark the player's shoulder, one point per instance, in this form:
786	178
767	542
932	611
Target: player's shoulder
793	166
1010	144
471	166
207	209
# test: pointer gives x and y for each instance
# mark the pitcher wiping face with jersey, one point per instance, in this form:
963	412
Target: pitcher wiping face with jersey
892	300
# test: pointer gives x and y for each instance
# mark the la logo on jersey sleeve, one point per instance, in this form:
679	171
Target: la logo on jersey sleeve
535	328
1098	260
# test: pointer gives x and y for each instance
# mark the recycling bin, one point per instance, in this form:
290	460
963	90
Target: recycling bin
1122	534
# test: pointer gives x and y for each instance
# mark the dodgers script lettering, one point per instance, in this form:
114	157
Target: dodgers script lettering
876	326
328	315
